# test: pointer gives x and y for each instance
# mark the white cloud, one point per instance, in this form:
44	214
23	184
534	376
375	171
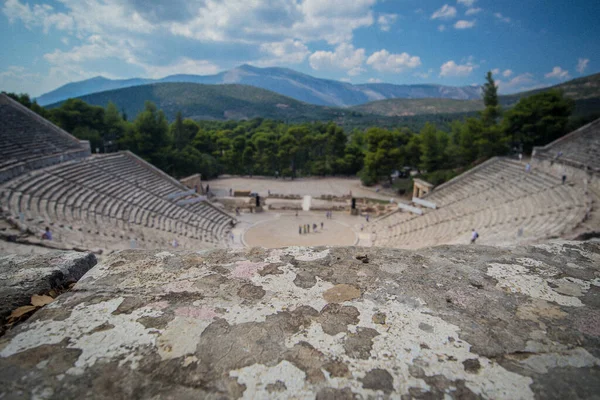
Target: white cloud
442	28
97	47
502	17
356	71
374	80
288	51
84	17
344	57
520	82
557	73
183	65
473	11
386	21
446	12
582	64
450	68
239	21
251	21
18	79
506	73
463	24
383	60
40	15
466	3
424	75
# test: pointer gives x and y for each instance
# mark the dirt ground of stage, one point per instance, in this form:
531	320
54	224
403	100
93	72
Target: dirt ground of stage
272	230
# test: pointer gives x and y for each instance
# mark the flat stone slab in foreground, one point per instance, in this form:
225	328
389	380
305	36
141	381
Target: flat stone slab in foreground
23	276
459	321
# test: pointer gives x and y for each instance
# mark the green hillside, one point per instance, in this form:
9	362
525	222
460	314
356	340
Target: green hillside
586	88
409	107
584	91
211	102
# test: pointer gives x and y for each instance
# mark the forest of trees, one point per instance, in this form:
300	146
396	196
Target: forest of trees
267	147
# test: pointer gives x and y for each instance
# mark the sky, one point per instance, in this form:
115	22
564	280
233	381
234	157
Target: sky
526	43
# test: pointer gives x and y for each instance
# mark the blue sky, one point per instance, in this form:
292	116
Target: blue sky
526	43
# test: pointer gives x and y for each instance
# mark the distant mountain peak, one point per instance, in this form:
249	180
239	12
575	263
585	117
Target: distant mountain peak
285	81
248	67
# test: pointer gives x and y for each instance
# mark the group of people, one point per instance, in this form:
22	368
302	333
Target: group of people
304	229
329	215
563	177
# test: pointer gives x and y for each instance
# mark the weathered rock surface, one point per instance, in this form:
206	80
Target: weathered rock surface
22	276
448	322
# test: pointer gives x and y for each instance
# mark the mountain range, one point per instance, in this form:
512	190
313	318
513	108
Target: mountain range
284	81
210	102
235	101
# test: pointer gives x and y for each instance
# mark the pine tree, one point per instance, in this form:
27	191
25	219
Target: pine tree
177	132
490	99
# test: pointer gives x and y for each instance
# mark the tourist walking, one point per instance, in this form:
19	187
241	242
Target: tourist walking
564	179
528	168
321	225
474	236
299	229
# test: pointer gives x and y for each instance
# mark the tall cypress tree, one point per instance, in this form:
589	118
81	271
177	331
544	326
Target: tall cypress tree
490	100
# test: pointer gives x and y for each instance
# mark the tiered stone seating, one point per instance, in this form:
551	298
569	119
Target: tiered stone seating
116	196
580	147
27	141
497	199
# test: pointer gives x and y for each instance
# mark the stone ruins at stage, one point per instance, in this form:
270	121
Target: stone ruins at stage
462	321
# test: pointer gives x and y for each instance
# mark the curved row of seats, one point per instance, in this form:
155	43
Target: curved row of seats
581	146
116	196
24	135
504	203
